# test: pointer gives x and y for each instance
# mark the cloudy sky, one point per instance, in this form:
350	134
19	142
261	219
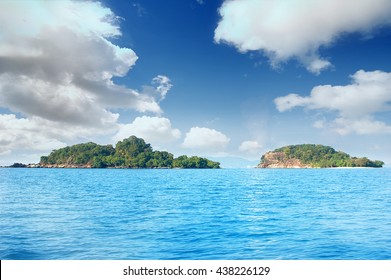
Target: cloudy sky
215	78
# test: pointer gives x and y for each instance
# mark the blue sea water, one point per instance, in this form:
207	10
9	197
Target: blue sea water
195	214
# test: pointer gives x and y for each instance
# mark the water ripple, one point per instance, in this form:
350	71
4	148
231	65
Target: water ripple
195	214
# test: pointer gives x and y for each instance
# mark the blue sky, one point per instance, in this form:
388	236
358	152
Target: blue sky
220	79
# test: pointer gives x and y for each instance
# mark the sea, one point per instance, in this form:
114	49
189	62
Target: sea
195	214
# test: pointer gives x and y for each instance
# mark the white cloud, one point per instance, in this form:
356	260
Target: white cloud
63	102
319	124
207	139
163	85
285	29
158	90
289	101
355	104
22	133
368	93
27	19
250	147
153	130
364	125
57	66
316	65
55	56
26	139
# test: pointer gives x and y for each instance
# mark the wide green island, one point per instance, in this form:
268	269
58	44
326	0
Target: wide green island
131	152
313	156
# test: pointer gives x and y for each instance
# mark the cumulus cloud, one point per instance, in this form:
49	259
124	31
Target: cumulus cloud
364	125
285	29
250	147
57	65
151	129
69	57
355	104
41	132
207	139
22	134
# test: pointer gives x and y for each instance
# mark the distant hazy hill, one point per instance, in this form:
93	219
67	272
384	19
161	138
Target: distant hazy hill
132	152
313	156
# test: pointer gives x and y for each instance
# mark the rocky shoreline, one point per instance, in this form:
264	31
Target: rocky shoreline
73	166
279	160
38	165
313	156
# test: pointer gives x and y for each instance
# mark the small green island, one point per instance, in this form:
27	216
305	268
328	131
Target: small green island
312	156
131	152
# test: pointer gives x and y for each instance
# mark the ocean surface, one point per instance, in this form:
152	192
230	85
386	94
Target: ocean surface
195	214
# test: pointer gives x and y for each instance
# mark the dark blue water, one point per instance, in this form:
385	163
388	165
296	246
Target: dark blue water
195	214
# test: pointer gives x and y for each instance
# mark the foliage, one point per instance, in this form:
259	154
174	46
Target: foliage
325	156
316	155
18	165
194	162
80	154
131	152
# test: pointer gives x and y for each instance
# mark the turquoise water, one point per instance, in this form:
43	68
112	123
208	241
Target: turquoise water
195	214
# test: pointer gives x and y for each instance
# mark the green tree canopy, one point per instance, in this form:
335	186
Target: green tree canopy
131	152
323	156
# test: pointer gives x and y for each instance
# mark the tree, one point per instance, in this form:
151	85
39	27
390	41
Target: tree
131	152
321	156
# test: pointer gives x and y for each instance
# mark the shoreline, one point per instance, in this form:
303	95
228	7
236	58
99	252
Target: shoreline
37	166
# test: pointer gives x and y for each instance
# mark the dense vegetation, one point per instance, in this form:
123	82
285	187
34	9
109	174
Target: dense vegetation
132	152
18	165
325	156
